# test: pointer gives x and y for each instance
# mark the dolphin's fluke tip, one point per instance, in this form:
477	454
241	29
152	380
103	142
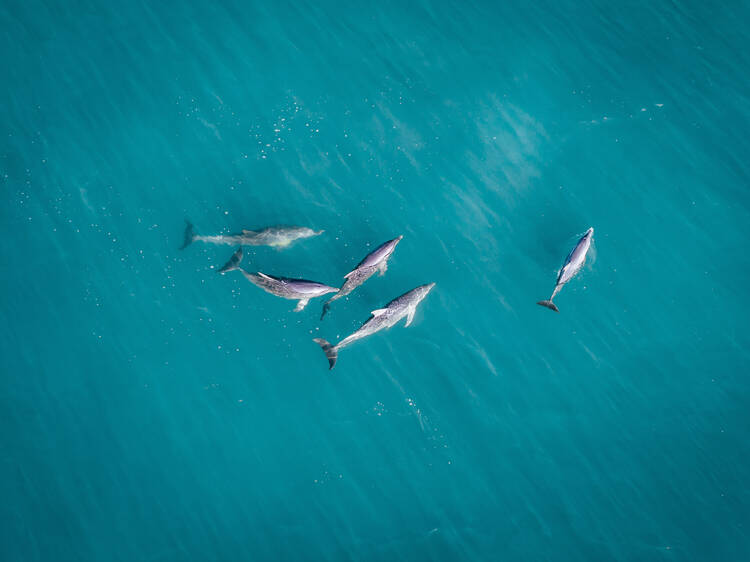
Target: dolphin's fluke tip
331	352
548	304
188	236
326	308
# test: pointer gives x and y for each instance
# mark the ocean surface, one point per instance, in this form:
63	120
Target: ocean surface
152	410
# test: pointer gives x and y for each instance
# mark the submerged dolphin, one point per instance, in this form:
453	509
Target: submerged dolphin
375	261
405	305
233	263
572	265
275	236
300	290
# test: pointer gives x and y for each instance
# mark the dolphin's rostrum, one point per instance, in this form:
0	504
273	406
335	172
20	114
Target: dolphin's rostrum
375	261
274	236
398	308
300	290
573	263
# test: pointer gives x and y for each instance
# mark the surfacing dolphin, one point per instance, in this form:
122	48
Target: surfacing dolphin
403	306
233	263
573	264
274	236
300	290
375	261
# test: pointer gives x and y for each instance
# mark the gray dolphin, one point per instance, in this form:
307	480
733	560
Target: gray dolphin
300	290
274	236
398	308
573	264
233	263
375	261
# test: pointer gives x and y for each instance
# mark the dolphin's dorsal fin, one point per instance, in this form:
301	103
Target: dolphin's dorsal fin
378	312
245	231
352	272
410	317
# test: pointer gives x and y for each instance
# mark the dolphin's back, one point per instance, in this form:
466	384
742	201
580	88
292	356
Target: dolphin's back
304	286
297	289
301	286
376	256
575	260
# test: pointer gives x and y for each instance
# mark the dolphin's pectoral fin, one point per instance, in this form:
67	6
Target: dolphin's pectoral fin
382	268
248	232
301	304
410	317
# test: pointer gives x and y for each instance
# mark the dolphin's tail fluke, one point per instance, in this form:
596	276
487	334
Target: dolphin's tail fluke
549	304
189	235
326	308
327	304
233	263
332	353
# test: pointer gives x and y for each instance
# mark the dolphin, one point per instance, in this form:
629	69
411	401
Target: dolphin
398	308
300	290
375	261
274	236
573	264
233	263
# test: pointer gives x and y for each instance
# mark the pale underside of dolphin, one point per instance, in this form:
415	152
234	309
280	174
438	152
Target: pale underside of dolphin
374	262
274	236
401	307
573	264
300	290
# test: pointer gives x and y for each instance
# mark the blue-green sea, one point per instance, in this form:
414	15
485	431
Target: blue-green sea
152	410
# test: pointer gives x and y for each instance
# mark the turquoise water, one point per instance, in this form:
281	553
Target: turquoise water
154	410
